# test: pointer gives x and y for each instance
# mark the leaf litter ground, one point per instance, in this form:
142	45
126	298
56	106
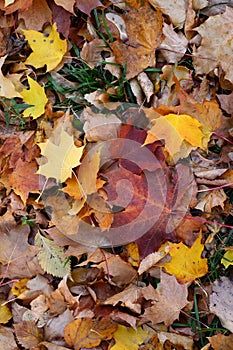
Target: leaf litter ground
116	175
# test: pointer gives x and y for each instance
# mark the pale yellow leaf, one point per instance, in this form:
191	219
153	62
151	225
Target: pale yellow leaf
34	96
60	158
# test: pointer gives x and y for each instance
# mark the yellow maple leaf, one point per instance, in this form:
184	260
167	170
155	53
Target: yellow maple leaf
34	96
60	158
227	259
186	263
181	133
47	49
128	338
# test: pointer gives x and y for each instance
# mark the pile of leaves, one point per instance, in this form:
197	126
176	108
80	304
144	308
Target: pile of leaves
116	178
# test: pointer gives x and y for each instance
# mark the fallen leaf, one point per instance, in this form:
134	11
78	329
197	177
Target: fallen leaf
170	299
180	342
90	165
7	88
128	298
60	158
87	333
87	6
121	272
216	45
99	127
226	102
52	257
73	187
7	339
208	201
173	129
175	9
28	334
144	31
24	179
46	49
220	342
174	45
5	313
35	15
35	96
227	259
186	263
17	257
67	5
220	301
129	338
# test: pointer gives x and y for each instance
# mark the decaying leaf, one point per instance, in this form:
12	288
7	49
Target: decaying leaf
170	299
216	45
24	179
87	333
51	257
7	339
28	334
143	27
46	49
220	301
175	9
34	96
220	342
186	263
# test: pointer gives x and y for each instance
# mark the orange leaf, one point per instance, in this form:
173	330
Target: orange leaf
87	333
187	263
24	180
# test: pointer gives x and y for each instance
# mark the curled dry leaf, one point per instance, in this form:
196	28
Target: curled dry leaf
175	9
174	45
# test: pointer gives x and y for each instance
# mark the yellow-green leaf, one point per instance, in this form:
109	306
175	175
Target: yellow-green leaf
227	258
186	263
5	314
34	96
47	49
51	257
60	158
128	338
